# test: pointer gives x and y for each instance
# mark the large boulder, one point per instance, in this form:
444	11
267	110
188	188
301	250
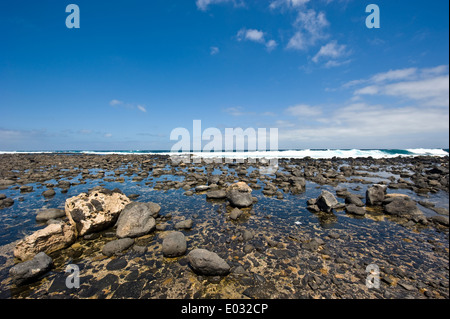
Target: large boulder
137	219
375	195
49	239
27	271
174	244
96	210
326	201
207	263
239	195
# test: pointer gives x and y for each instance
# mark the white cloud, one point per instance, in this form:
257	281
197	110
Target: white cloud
251	35
287	3
257	36
214	50
369	90
331	50
402	74
427	86
204	4
370	124
108	135
141	108
310	27
303	110
271	45
131	106
115	102
235	111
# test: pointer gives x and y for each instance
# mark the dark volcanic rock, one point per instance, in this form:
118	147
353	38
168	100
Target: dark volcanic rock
31	269
375	195
174	244
326	201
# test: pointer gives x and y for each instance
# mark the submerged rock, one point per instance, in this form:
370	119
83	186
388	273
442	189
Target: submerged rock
117	246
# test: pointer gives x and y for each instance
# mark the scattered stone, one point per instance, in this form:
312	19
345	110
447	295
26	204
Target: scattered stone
355	210
49	193
117	246
326	201
52	213
240	195
207	263
218	194
30	270
235	213
26	188
184	224
354	199
174	244
137	219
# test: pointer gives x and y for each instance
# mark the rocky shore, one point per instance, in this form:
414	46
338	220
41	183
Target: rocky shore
144	226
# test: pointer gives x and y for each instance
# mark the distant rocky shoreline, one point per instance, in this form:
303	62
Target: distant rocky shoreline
107	229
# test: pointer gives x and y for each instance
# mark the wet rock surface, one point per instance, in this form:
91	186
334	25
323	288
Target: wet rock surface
277	248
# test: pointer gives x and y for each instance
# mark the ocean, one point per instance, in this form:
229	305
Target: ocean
288	153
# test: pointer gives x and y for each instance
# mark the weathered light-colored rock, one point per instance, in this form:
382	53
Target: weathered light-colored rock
95	211
49	239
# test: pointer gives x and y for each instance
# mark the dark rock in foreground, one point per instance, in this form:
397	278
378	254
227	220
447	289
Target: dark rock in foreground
326	201
29	270
375	195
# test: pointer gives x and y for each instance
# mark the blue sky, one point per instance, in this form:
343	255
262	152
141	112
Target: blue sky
136	70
